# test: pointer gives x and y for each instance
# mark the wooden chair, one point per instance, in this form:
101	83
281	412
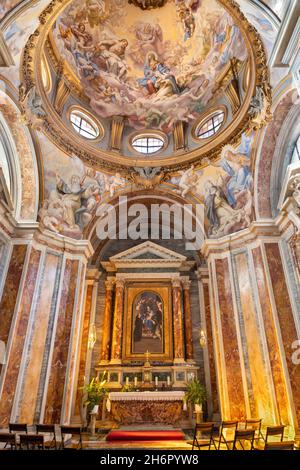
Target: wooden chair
48	429
244	436
18	427
32	441
9	439
285	445
225	425
74	431
275	431
206	436
256	425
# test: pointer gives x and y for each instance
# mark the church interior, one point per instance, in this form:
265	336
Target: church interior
150	224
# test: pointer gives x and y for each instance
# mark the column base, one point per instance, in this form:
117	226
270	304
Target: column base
115	362
191	361
104	362
179	361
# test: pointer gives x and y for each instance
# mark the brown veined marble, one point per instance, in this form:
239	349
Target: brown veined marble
178	324
116	349
285	318
84	343
16	351
34	361
107	321
10	291
230	342
188	325
61	345
261	403
210	348
135	412
271	337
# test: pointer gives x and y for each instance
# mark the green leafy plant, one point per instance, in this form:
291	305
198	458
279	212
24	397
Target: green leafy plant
95	391
195	393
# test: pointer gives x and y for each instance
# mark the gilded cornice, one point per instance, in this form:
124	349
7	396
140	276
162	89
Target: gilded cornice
64	138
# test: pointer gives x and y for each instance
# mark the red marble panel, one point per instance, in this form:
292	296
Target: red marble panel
286	319
15	357
178	326
271	337
210	348
59	362
84	342
230	342
11	288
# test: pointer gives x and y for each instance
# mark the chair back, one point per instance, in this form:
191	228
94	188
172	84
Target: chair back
253	423
18	427
31	441
9	438
229	424
241	436
286	445
275	431
74	431
48	429
206	432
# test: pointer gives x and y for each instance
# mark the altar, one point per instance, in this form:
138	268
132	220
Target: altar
165	407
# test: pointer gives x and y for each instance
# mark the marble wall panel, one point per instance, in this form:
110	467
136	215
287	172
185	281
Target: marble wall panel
210	348
271	338
74	349
38	335
285	318
10	291
257	376
230	342
61	344
15	357
84	344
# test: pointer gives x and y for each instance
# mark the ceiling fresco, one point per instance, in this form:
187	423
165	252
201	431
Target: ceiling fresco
153	67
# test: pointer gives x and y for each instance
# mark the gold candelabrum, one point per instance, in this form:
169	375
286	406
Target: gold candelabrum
147	371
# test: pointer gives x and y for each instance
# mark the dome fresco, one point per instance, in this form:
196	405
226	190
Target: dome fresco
153	67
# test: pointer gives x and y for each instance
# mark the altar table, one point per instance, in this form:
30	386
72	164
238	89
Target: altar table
146	407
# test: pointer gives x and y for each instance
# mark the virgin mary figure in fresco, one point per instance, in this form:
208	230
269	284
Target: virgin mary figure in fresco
154	72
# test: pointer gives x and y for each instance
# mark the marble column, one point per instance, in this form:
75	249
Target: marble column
188	325
178	322
116	346
107	322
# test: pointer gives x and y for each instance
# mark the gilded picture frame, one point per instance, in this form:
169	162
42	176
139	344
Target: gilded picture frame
158	341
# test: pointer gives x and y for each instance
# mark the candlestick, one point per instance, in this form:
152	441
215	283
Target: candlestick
127	380
135	381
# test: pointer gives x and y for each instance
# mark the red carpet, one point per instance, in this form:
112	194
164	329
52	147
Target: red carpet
145	436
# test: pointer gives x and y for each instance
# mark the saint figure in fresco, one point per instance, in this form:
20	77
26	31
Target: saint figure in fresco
138	328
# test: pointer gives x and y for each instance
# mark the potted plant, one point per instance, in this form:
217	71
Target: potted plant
93	394
195	394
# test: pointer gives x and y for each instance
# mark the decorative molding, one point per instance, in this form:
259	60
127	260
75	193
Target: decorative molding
64	138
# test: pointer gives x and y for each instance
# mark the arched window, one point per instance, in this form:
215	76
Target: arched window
148	144
296	153
84	125
210	126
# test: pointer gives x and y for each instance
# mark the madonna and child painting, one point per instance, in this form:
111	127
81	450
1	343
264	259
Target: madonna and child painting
148	323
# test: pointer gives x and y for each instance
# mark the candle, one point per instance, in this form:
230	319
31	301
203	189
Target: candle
168	381
127	380
135	381
156	381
